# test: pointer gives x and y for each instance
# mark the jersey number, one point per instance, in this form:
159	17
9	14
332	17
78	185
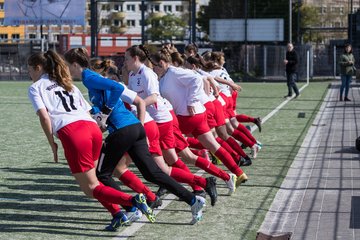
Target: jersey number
63	100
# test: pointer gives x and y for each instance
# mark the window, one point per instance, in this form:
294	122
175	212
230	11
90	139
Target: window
130	23
105	7
324	10
130	8
1	21
3	36
155	8
179	8
118	7
15	36
140	22
105	22
145	7
32	36
117	23
56	38
2	6
167	8
341	10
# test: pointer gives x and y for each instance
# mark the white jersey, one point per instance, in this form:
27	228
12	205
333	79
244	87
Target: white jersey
203	97
63	107
127	95
225	89
182	88
145	83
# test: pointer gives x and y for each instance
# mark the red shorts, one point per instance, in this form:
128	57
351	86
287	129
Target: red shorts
153	135
210	114
82	141
234	98
219	113
167	139
180	141
228	108
195	125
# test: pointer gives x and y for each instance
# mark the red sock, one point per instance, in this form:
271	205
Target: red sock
228	148
181	165
108	194
189	178
194	143
196	152
112	208
211	168
227	160
244	118
236	146
242	138
246	131
133	182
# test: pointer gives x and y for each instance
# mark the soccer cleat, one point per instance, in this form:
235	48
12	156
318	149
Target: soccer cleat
139	201
133	216
297	95
196	209
241	179
155	204
204	153
346	99
211	189
200	193
231	183
245	161
254	150
119	220
259	144
258	123
215	160
161	192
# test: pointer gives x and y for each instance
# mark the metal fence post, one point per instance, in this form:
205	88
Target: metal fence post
265	61
334	53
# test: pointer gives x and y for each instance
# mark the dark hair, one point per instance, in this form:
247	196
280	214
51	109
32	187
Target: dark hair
199	62
348	45
191	47
141	51
162	54
78	55
105	67
54	66
176	57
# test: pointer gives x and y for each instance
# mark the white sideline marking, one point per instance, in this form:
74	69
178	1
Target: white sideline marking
272	113
131	230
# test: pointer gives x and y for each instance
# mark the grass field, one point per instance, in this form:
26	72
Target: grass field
40	199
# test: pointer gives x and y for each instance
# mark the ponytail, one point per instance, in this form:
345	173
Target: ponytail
54	66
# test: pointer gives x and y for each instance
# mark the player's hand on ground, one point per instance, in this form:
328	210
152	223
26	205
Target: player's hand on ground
54	148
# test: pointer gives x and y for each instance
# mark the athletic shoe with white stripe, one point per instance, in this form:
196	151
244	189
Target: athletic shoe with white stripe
196	209
231	183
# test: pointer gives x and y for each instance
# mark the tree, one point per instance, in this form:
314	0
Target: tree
165	27
310	18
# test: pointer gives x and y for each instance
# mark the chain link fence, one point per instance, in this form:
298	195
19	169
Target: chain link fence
250	62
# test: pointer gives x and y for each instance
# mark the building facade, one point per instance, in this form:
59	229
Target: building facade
333	15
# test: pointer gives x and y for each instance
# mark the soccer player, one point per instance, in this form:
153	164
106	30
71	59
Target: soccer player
126	133
181	88
63	112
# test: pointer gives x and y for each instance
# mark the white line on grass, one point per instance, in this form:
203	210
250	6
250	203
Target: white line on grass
131	230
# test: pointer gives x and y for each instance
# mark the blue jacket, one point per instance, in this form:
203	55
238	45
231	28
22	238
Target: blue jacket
106	92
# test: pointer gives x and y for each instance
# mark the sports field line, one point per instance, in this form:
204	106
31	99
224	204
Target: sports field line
131	230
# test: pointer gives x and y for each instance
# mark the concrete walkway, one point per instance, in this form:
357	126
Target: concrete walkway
320	196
